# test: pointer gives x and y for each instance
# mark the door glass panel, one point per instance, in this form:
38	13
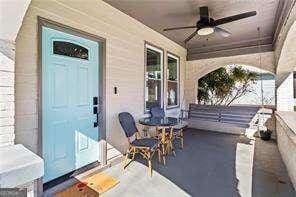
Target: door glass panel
69	49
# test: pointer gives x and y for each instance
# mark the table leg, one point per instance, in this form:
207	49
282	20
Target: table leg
163	141
171	141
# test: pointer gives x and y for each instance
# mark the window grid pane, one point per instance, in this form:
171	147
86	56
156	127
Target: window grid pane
172	93
153	87
173	82
154	93
172	69
294	84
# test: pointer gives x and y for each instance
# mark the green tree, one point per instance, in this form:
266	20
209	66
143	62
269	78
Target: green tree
222	86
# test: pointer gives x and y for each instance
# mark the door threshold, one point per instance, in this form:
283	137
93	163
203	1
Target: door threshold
73	179
70	175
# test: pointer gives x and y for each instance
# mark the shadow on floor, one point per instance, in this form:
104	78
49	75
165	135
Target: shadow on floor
206	165
216	164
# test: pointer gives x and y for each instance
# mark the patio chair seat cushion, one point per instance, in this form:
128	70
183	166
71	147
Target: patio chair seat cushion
146	142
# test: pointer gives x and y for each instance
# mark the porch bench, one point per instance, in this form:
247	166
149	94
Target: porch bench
232	119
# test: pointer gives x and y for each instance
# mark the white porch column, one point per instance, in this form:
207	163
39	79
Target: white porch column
19	167
11	17
6	93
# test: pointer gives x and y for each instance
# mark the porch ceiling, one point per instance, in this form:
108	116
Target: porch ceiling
162	14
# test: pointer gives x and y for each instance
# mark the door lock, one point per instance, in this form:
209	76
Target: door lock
95	111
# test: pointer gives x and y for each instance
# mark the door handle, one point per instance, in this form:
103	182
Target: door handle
95	110
96	124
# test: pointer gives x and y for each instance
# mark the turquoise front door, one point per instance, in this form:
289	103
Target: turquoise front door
70	84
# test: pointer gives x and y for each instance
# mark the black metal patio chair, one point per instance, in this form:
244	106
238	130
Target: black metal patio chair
138	145
177	133
157	111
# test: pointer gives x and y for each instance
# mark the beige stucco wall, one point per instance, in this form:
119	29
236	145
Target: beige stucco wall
124	61
197	68
285	56
285	43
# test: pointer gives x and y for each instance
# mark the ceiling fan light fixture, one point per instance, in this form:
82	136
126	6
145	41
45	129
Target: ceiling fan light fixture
205	31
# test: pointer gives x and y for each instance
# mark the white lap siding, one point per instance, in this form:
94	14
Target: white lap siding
125	38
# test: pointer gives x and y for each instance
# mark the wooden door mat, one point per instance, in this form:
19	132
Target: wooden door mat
90	186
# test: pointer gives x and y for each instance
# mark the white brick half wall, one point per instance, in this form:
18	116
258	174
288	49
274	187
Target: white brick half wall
6	96
286	138
285	94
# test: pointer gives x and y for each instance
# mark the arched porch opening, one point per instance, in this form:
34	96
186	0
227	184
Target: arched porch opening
199	68
257	88
286	67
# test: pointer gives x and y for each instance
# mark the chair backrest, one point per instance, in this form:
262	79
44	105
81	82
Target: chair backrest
157	112
127	123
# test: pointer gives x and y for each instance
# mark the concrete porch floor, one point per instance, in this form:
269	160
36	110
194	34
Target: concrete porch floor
211	164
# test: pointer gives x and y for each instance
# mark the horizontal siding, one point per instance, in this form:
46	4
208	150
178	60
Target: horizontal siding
125	38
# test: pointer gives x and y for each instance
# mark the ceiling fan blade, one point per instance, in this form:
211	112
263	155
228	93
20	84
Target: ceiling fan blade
234	18
177	28
204	13
191	36
222	32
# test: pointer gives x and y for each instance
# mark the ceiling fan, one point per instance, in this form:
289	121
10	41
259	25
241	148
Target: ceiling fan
207	25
